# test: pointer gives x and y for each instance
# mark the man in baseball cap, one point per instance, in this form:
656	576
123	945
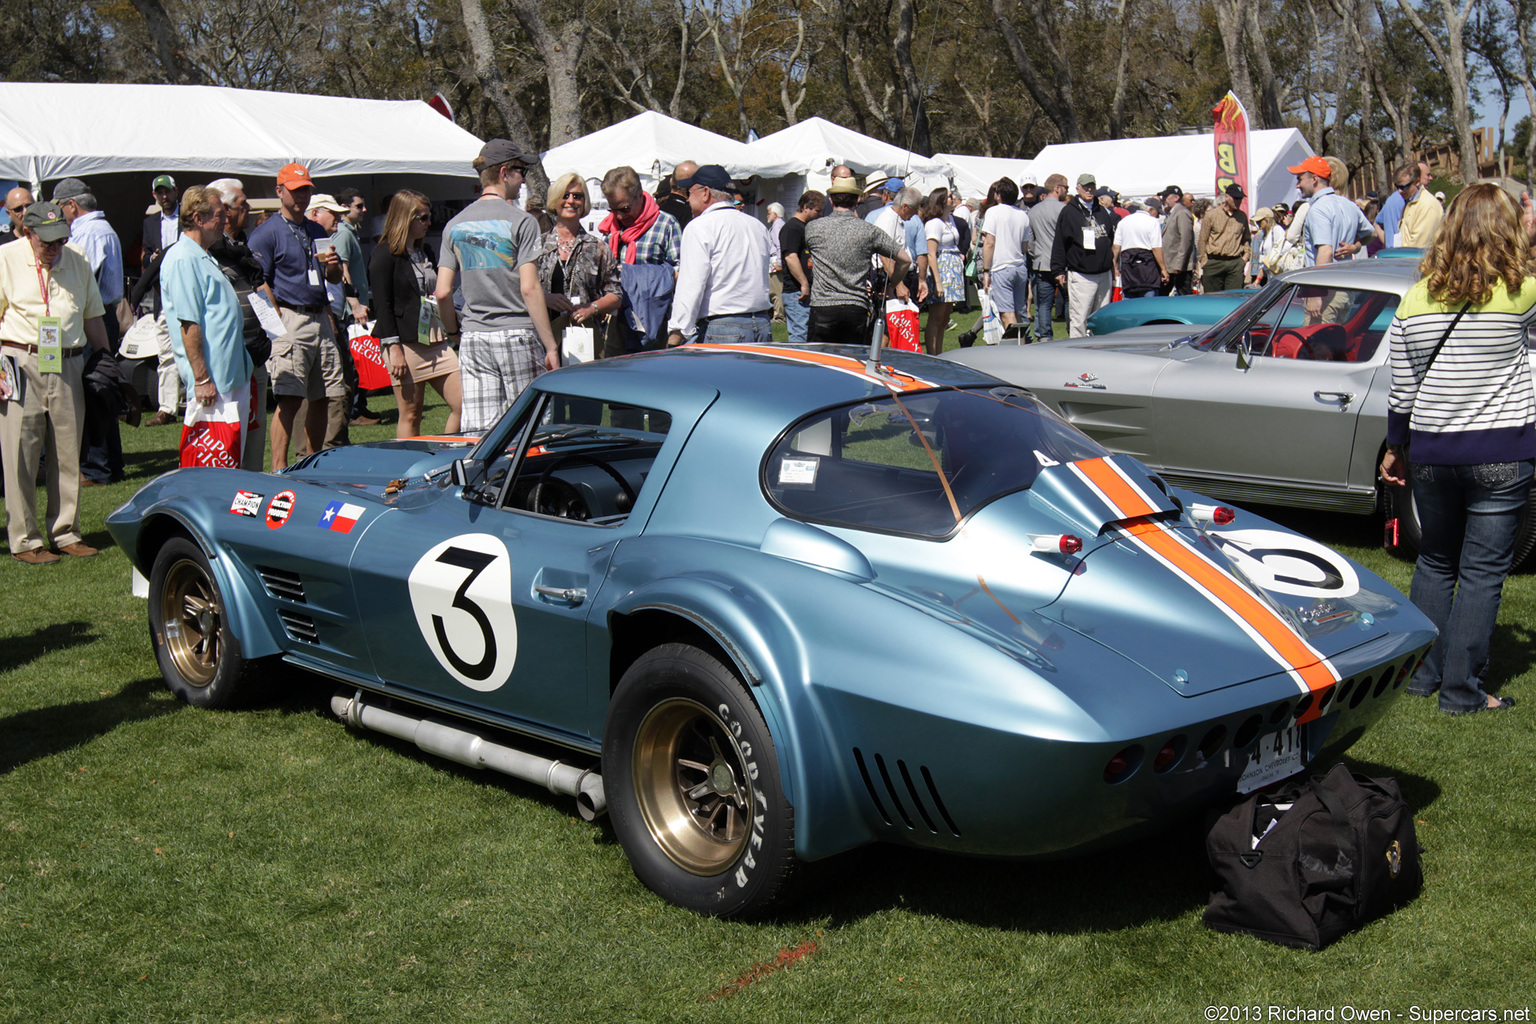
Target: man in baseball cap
1179	254
1226	243
722	268
305	363
491	248
45	335
1334	223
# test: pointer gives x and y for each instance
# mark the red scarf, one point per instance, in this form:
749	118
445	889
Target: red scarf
617	236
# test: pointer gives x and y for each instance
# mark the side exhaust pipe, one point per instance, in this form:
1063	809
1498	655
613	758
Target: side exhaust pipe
475	751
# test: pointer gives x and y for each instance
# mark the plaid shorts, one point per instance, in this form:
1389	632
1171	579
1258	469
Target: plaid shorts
495	367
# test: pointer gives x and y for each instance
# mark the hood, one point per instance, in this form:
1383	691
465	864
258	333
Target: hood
374	465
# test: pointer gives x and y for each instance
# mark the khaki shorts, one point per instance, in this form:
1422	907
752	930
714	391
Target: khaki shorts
298	365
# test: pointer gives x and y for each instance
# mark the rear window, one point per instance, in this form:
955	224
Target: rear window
917	464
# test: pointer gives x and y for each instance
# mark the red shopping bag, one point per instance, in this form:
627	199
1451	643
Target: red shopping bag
372	374
215	435
901	330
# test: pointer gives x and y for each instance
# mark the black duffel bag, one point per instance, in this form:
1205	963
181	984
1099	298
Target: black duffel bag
1334	852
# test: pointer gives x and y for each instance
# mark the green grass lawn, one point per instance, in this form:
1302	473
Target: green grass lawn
159	863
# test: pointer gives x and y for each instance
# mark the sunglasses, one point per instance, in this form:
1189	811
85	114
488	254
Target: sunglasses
425	218
16	209
621	209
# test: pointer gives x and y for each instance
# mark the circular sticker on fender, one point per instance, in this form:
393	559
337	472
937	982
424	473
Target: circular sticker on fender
461	592
280	508
1288	563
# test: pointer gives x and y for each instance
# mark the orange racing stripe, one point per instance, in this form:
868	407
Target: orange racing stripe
902	382
1120	493
1289	648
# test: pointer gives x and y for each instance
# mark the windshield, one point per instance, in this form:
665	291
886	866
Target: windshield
917	464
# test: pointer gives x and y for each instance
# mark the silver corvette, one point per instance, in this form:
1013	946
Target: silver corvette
1283	402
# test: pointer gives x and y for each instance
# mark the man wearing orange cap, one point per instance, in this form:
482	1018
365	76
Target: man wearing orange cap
304	358
1332	221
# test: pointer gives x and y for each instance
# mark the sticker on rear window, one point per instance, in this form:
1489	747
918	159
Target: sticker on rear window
798	472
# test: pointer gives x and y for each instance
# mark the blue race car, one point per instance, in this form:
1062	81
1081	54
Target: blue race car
764	605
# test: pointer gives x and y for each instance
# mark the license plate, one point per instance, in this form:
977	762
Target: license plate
1278	755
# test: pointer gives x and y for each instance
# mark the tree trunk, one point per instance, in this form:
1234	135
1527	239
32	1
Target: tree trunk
1232	22
1269	86
561	54
919	140
169	49
1055	98
1122	69
494	87
1453	60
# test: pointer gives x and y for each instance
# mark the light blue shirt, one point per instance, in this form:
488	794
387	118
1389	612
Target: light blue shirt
194	290
91	233
1333	220
1391	216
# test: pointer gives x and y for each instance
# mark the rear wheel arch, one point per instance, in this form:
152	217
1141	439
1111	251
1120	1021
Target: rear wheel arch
636	633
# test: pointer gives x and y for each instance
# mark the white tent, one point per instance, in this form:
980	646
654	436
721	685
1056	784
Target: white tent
653	144
974	175
52	131
814	146
1137	168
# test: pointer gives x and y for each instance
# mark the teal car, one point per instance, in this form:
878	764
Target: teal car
763	605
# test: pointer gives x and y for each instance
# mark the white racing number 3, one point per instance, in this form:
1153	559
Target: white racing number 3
461	592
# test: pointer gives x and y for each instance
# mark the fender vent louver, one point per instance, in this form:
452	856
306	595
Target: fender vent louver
901	791
300	627
282	584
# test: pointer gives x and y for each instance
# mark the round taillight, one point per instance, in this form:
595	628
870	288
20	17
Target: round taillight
1071	545
1221	515
1123	765
1169	755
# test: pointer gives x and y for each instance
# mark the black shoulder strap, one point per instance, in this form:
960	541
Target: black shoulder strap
1446	337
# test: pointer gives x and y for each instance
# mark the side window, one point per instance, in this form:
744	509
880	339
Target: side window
1338	325
583	459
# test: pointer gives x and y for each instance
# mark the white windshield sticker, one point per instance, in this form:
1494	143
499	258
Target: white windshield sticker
798	472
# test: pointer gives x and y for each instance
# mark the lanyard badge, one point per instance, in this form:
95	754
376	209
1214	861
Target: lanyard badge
50	330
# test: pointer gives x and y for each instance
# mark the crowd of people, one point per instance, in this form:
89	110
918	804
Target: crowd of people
253	309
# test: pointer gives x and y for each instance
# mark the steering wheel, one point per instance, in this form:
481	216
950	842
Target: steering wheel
576	508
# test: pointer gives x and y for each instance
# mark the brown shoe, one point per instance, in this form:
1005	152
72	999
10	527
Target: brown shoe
79	549
37	556
86	481
160	419
364	421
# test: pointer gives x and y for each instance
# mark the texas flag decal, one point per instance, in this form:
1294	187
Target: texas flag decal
339	516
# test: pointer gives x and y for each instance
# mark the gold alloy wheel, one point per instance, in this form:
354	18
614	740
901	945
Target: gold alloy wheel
190	612
692	786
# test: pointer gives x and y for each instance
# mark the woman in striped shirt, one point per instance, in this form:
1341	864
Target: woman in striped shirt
1461	421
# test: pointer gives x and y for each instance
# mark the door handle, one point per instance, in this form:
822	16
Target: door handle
575	595
1341	397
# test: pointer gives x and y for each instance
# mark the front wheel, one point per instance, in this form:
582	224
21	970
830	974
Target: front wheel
693	785
198	654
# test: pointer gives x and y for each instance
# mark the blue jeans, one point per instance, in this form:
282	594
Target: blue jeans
797	316
1468	516
1045	298
746	329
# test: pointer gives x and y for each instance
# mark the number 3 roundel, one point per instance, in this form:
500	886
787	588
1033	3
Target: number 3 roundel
461	591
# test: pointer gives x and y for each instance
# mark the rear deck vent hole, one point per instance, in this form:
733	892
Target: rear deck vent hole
1248	731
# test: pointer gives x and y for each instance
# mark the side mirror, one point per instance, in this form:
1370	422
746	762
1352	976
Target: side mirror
459	472
1245	352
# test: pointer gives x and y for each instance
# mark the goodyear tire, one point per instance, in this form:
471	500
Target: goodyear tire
198	654
693	785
